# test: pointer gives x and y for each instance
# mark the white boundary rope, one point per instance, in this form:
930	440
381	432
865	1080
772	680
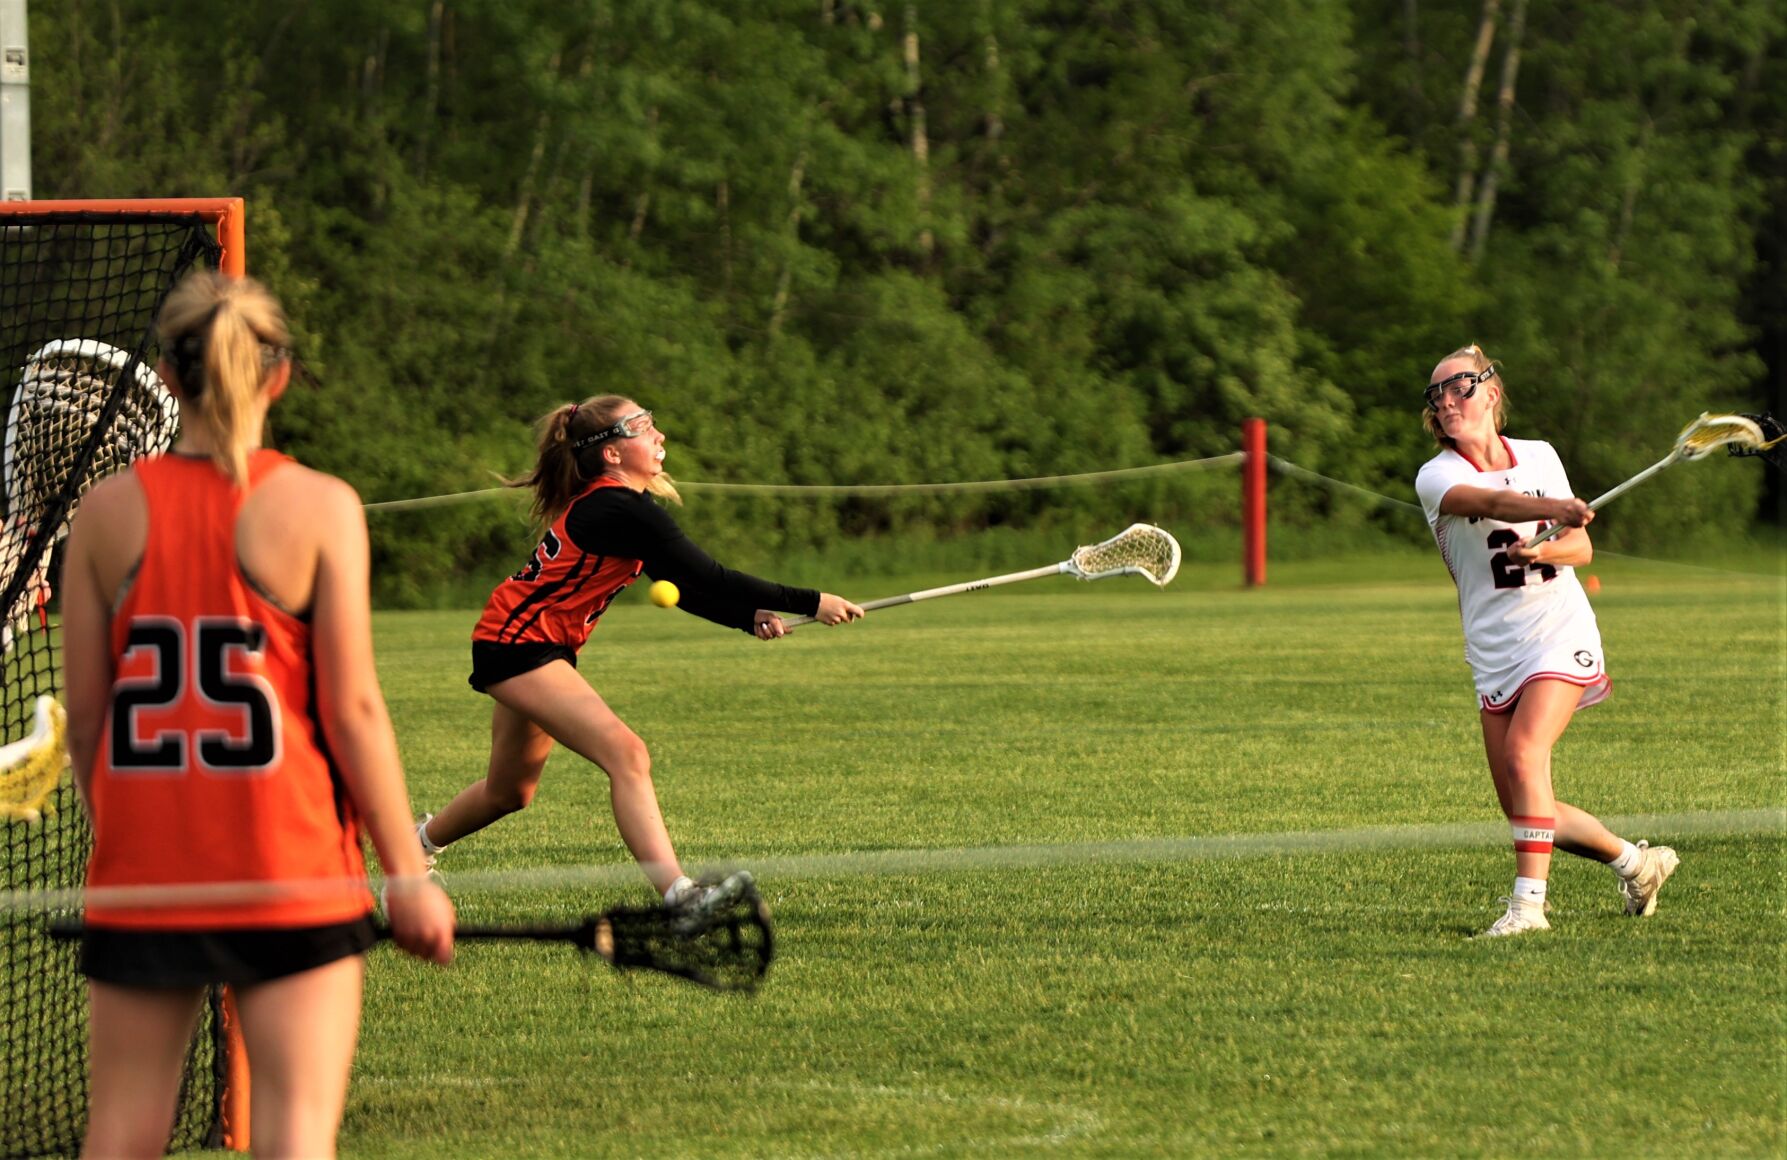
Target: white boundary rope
1283	466
1766	822
1303	473
823	489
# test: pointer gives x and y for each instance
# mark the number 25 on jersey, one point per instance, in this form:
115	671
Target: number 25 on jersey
200	687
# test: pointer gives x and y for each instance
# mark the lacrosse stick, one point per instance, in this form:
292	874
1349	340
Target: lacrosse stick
1138	550
1698	439
31	766
63	392
723	940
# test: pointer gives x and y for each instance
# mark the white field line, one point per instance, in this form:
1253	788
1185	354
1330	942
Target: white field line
1769	821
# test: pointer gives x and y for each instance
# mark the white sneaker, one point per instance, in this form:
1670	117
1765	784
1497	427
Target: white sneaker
695	902
429	850
1640	891
1520	918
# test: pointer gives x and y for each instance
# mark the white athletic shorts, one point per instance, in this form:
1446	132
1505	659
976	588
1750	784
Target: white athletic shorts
1579	662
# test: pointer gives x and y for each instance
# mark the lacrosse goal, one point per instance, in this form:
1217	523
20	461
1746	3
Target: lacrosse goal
80	285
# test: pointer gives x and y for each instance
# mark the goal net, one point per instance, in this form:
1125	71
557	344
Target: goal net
80	286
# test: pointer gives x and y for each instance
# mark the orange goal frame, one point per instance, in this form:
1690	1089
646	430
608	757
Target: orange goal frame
228	215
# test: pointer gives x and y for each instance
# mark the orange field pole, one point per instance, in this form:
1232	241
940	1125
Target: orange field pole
232	1102
1253	501
232	1109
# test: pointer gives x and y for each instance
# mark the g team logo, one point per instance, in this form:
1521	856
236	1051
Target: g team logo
1585	658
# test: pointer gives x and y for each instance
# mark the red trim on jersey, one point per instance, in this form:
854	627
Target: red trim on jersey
1513	460
560	593
1566	678
1441	536
211	765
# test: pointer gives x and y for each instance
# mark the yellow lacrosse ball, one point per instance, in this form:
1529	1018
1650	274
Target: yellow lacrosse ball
663	594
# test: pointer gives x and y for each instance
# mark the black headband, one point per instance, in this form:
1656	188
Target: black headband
186	354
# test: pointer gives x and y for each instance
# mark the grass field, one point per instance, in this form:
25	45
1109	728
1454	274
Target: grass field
1108	871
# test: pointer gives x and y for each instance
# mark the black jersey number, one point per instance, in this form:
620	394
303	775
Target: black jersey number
1505	571
602	604
548	550
253	745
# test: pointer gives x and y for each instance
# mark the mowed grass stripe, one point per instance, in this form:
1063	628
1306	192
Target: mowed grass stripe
775	868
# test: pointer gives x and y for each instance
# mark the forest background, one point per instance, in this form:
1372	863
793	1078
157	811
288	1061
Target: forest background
866	243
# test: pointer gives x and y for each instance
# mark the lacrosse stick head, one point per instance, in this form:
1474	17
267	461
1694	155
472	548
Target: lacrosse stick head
62	389
1710	432
1138	550
723	939
31	767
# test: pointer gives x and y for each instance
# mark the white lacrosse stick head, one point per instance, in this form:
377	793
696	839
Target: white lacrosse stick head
61	391
1138	550
1710	432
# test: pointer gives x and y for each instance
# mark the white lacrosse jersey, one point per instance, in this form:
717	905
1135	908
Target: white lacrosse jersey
1521	621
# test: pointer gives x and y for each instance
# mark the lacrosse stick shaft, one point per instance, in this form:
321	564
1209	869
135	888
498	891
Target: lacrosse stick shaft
72	928
1619	490
949	590
487	932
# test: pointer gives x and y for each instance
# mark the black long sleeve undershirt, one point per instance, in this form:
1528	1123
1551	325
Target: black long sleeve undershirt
618	521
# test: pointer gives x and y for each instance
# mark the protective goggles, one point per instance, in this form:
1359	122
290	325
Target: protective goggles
1460	386
626	427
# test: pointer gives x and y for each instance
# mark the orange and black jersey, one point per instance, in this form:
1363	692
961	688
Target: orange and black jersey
212	766
605	539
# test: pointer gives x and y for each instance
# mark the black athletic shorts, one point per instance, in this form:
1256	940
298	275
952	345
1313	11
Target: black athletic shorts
196	958
493	662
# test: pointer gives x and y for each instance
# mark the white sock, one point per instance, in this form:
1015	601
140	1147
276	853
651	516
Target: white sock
1529	891
428	846
1629	860
677	888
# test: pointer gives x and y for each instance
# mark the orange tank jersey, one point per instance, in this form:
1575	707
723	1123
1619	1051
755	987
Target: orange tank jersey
557	597
213	766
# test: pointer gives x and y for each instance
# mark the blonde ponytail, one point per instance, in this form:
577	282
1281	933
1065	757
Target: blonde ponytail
222	337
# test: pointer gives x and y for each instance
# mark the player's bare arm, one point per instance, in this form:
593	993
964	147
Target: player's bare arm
104	544
1571	548
1513	507
353	712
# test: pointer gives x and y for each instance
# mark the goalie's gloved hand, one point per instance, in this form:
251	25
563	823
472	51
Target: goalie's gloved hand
1772	433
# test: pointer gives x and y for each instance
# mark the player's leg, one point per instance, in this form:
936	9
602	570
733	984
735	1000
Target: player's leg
1514	752
1582	834
518	752
137	1039
300	1032
1518	744
555	698
1641	868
